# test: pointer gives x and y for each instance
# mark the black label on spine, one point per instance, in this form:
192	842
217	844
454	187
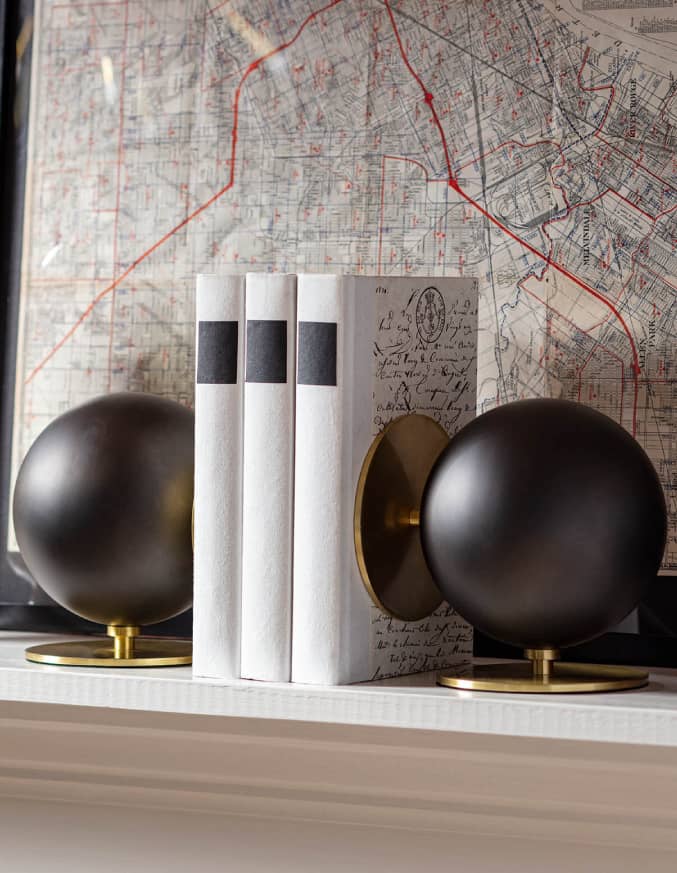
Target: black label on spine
317	353
266	351
217	353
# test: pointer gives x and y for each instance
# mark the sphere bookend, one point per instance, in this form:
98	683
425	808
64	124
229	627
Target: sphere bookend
124	648
503	522
102	514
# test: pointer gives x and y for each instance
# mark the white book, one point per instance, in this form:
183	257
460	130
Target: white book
369	350
219	379
268	476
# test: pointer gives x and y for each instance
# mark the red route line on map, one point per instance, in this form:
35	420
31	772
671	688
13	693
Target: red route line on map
589	202
666	212
635	161
598	132
586	55
657	276
633	265
512	142
558	146
596	343
170	233
430	181
428	97
529	145
216	8
570	208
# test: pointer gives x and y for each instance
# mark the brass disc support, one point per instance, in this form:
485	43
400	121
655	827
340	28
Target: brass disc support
542	673
387	517
125	648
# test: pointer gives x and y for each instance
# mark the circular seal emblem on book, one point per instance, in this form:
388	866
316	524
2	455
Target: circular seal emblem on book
430	314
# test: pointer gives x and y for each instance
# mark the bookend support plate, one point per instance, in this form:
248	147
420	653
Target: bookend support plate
125	649
543	673
386	521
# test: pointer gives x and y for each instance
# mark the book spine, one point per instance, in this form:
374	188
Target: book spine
321	443
220	304
268	476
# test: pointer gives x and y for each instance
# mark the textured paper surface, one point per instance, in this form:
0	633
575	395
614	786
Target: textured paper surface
320	512
403	345
218	491
268	487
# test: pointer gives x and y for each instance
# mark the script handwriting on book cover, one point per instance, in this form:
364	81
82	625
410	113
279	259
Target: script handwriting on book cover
415	647
425	361
425	355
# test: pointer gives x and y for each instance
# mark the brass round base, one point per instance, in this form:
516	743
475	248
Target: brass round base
386	522
564	678
101	653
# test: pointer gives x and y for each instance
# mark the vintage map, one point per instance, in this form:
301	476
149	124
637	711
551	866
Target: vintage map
529	144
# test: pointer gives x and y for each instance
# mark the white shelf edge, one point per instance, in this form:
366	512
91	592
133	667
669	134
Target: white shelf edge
645	717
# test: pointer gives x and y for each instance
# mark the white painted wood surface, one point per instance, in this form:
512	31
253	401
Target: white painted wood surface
647	716
139	773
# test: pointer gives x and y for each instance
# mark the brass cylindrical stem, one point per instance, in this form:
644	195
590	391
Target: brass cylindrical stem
542	661
408	518
414	518
123	640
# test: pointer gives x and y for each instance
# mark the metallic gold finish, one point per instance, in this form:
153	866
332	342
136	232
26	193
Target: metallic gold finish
125	649
123	639
408	518
543	675
387	519
542	661
414	519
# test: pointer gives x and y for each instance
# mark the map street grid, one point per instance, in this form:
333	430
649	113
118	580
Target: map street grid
529	144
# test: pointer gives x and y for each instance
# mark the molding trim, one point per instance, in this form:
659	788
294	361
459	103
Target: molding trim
608	794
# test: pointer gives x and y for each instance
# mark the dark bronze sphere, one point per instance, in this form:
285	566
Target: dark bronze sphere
102	509
542	522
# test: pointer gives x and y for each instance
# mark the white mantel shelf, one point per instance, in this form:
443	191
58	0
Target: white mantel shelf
646	716
400	775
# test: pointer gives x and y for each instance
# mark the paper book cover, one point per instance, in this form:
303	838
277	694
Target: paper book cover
268	476
402	345
220	302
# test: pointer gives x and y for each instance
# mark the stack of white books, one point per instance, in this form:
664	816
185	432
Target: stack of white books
295	376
